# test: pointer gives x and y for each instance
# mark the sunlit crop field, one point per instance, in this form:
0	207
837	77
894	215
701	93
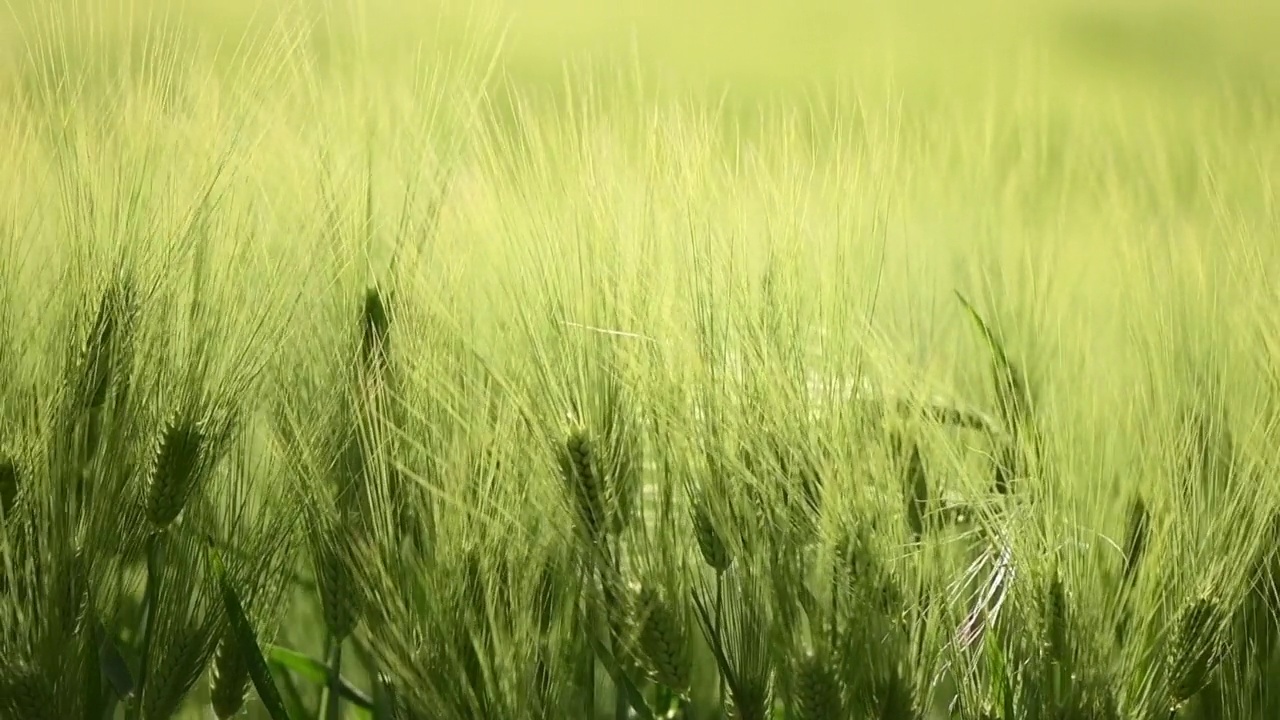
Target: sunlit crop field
556	360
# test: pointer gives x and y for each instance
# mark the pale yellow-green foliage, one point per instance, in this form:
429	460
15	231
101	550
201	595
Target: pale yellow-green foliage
817	177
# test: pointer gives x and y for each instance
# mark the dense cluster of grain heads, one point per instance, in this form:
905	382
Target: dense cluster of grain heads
649	561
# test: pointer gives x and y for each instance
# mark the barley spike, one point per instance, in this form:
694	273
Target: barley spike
229	684
817	689
713	549
1195	651
176	471
664	641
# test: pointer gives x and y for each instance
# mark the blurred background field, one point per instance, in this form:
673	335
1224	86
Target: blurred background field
1064	131
1179	45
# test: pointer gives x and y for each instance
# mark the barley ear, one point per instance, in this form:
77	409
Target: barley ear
229	681
108	350
547	595
246	640
1137	533
339	594
169	682
1058	631
817	688
176	470
24	693
619	461
663	640
578	466
9	483
710	544
1195	651
1013	395
916	485
375	326
894	698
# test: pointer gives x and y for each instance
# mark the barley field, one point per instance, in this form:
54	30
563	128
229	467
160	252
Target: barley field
598	361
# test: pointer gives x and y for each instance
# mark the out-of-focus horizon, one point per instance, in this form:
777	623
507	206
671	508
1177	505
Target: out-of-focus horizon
769	47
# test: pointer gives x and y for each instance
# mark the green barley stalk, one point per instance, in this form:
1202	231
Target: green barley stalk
362	464
187	453
374	366
258	526
242	631
711	544
578	470
340	599
743	648
716	554
1013	401
1013	396
375	333
1136	536
97	389
229	682
181	464
182	626
599	487
109	354
1059	643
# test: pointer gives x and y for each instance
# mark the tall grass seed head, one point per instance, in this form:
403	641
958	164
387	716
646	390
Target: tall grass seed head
9	485
340	598
710	544
579	467
1137	532
229	678
170	681
817	688
375	326
915	482
1057	631
663	640
547	595
106	353
25	693
180	462
1195	650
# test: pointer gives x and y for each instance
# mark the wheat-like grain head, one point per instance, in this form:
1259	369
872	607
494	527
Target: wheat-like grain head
578	467
1195	649
9	485
341	600
817	688
185	656
662	637
25	693
715	553
178	467
229	681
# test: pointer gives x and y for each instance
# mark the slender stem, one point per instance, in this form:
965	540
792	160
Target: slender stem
835	605
719	612
662	701
155	554
589	657
333	708
621	705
